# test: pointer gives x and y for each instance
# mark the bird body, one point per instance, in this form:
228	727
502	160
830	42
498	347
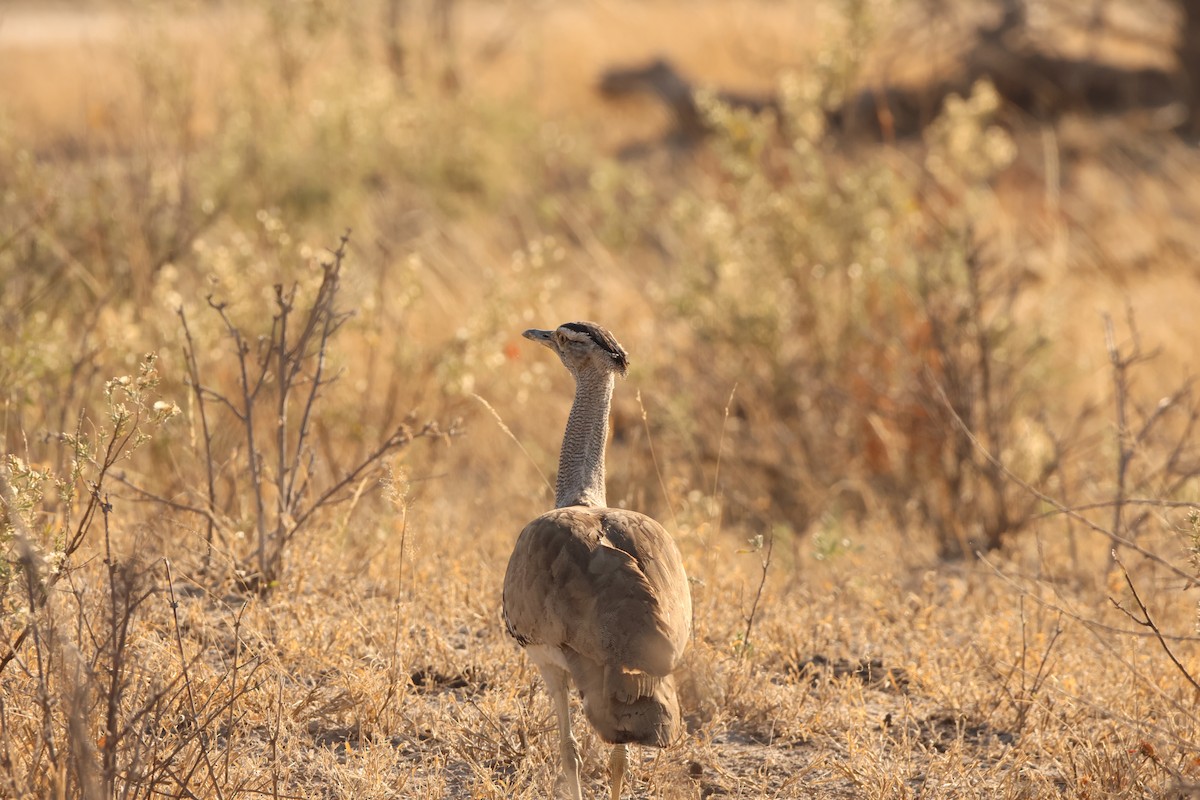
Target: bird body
591	581
598	596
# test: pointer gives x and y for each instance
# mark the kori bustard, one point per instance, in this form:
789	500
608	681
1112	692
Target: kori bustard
598	595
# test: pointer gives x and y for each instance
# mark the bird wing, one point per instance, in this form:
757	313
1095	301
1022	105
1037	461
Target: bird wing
608	584
657	559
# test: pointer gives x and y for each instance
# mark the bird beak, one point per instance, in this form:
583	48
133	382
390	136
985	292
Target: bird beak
543	337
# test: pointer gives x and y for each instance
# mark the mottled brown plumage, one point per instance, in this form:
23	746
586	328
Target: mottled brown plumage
588	582
598	595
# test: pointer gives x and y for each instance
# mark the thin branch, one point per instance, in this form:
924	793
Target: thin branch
223	400
1120	364
1164	405
233	694
328	288
193	368
721	449
401	438
1133	501
145	495
1190	580
1075	616
1096	630
762	581
496	416
187	680
1148	622
285	373
247	419
654	459
116	447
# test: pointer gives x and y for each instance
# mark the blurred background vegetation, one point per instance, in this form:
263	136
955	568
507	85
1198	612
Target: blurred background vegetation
908	269
811	293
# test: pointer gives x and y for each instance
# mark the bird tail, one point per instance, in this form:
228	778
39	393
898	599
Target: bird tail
629	708
653	719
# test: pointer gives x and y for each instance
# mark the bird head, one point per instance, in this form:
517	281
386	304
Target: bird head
583	347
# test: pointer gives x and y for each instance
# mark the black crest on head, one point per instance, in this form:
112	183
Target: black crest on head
604	340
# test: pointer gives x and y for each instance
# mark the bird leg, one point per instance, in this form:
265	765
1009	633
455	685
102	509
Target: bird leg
617	760
557	684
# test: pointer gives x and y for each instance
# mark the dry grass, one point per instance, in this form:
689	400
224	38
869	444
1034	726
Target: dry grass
796	312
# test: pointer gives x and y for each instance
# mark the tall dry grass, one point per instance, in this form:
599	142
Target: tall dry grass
939	514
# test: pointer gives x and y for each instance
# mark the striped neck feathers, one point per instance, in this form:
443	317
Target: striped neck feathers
581	462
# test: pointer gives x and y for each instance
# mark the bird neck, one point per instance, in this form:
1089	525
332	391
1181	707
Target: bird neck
581	463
